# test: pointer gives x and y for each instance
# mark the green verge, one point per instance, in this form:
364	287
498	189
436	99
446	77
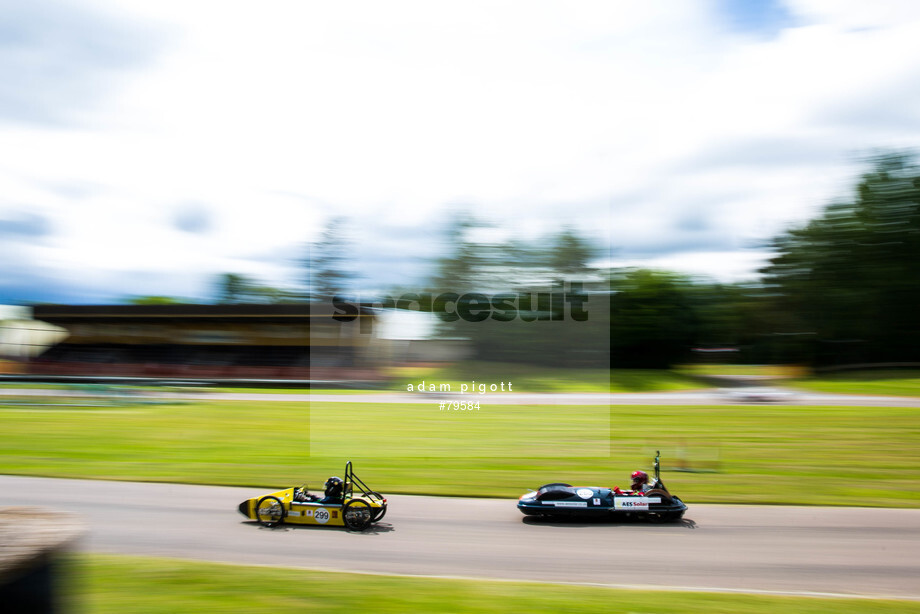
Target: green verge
766	371
736	454
524	378
117	584
899	382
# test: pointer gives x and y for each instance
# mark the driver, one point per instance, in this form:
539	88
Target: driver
303	495
334	490
640	484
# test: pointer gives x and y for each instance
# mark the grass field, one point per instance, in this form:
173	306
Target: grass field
777	371
116	584
900	382
528	378
763	454
525	378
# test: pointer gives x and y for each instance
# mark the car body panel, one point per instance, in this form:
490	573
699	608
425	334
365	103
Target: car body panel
563	500
304	512
357	509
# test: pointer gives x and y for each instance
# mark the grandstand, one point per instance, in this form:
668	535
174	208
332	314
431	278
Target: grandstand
297	343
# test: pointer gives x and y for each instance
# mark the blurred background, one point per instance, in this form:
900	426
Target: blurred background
577	199
837	291
740	177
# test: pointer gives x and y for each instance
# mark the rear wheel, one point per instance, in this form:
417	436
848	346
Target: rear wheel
357	515
270	511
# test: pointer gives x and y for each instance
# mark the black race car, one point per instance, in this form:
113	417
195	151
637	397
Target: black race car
558	499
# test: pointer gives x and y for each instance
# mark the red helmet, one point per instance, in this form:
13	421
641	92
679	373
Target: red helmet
639	477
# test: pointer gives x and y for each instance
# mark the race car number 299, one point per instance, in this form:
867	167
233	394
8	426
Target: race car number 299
321	516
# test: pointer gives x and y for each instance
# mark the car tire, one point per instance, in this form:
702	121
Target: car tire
357	515
274	511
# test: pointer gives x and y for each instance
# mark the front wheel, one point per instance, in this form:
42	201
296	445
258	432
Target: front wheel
657	492
679	513
377	513
270	511
357	515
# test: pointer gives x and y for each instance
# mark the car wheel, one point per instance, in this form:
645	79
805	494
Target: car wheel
678	514
357	515
270	511
377	513
665	497
656	517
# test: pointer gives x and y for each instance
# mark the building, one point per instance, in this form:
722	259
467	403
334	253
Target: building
286	342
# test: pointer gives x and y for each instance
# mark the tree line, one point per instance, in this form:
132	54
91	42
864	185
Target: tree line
841	289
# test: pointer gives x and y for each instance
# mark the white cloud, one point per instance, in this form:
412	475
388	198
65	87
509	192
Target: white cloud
656	126
855	14
725	266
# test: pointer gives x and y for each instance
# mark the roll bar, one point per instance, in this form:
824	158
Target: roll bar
351	479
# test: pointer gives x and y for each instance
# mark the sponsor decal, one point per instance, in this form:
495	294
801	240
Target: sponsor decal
634	503
321	516
335	514
596	501
584	493
570	503
293	513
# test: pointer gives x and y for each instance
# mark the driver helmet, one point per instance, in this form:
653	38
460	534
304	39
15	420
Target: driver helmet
333	486
639	478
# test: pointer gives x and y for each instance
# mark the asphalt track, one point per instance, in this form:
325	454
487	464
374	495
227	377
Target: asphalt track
857	552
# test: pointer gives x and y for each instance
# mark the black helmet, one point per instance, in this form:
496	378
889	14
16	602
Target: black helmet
334	486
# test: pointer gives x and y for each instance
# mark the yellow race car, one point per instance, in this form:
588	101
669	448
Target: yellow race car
338	507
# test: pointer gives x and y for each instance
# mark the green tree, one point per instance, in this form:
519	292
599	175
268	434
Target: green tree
532	277
571	254
236	288
155	300
467	261
851	277
652	320
326	262
233	288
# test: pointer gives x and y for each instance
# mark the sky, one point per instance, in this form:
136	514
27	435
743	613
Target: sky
146	147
